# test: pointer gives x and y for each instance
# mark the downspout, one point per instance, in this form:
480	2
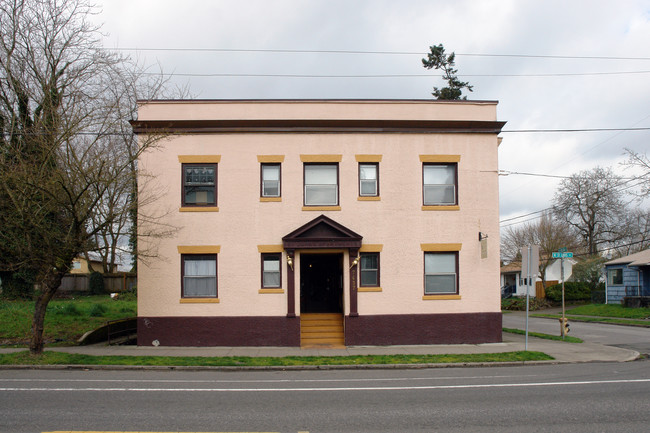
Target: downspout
606	284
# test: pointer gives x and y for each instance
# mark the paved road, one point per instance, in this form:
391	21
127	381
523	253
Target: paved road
575	397
628	337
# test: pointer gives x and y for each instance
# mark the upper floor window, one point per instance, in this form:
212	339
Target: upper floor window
439	184
270	184
199	275
321	184
368	179
440	273
199	184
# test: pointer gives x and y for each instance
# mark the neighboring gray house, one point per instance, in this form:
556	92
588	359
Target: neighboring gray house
628	276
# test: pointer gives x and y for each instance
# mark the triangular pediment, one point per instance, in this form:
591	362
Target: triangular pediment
322	232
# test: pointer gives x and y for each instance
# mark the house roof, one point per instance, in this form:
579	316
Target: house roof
637	259
511	267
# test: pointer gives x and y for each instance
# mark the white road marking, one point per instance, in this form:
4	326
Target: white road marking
378	388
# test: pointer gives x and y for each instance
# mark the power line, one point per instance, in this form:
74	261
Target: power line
399	53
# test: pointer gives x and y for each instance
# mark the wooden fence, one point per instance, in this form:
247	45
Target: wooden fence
121	282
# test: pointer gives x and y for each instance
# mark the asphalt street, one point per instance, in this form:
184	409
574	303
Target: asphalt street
628	337
570	397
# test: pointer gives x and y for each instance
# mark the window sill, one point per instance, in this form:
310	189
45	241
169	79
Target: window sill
199	300
199	209
369	289
369	198
321	208
270	291
441	208
440	297
269	199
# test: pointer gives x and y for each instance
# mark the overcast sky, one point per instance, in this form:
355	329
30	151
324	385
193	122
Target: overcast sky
605	93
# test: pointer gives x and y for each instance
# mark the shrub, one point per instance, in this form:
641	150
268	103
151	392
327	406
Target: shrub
96	283
18	285
97	310
67	309
519	304
573	291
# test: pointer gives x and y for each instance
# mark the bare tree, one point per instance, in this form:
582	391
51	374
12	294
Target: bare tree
640	161
547	232
593	203
59	161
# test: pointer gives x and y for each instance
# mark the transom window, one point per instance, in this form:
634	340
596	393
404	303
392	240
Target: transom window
199	275
271	270
321	184
368	179
439	184
199	184
270	180
369	265
440	273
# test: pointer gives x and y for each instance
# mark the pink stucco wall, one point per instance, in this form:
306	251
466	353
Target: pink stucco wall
397	221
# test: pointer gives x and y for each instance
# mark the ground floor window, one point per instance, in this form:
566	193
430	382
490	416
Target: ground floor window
440	273
615	277
199	275
271	270
369	265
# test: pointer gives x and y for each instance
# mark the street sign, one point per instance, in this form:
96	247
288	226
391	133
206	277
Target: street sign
560	255
562	250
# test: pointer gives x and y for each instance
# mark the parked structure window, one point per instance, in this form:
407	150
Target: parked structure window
369	265
321	184
368	179
270	184
271	270
199	184
615	277
440	273
199	275
439	184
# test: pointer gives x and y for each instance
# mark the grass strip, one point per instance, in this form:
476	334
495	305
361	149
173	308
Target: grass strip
62	358
610	310
567	339
613	320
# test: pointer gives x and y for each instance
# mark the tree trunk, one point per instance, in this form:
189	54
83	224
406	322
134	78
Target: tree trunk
48	288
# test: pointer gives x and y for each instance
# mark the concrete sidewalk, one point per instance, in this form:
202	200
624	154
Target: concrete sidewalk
561	351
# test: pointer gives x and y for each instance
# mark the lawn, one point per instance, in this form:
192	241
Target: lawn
66	319
610	310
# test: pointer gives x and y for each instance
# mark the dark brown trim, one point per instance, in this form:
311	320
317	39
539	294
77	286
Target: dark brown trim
219	331
461	328
354	303
315	125
216	183
291	284
339	236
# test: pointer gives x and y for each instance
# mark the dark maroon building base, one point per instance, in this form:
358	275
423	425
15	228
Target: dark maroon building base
385	330
219	331
379	330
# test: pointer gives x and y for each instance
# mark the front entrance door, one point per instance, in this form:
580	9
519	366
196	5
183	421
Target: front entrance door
321	283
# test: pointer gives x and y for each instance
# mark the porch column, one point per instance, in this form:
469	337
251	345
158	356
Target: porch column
291	285
354	253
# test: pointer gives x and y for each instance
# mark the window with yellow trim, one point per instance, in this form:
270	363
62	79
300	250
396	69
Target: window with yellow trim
199	184
198	275
440	273
439	184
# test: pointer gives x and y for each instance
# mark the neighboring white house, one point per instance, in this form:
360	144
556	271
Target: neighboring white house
512	282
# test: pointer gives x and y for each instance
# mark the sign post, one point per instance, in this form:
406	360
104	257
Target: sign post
562	254
529	261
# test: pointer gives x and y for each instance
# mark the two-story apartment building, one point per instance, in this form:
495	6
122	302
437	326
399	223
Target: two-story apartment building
326	222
